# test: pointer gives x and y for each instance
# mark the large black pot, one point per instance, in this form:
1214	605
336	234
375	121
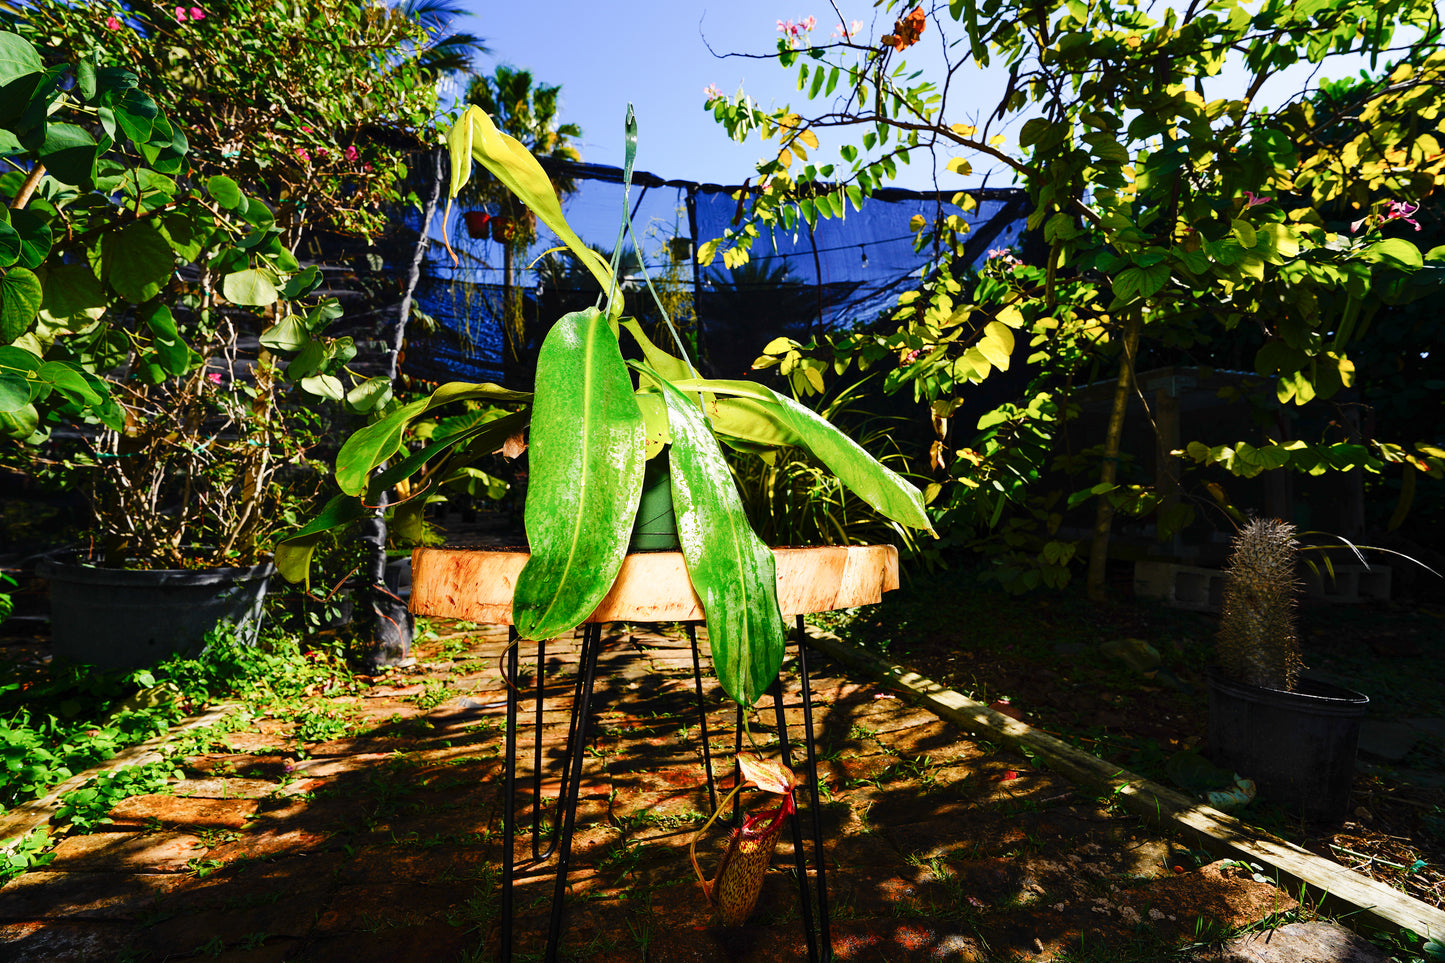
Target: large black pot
128	618
1298	747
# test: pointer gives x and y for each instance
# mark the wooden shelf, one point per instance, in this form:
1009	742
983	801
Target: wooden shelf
477	584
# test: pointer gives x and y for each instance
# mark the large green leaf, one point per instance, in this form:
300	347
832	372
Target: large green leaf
18	58
254	286
586	476
136	260
20	295
74	296
69	153
731	569
475	136
369	447
878	485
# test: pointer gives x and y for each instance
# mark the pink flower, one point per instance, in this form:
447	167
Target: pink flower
181	14
302	153
306	130
198	14
322	152
711	92
214	377
366	166
112	23
1250	200
1356	225
351	153
809	24
850	31
1402	211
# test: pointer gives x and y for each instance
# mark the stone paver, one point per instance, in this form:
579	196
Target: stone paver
385	844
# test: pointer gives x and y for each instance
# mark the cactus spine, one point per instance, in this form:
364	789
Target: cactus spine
1257	643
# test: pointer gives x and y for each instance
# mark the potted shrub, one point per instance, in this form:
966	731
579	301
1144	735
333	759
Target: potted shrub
592	425
1295	737
125	296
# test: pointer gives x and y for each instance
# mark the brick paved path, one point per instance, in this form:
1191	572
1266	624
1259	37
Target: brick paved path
385	846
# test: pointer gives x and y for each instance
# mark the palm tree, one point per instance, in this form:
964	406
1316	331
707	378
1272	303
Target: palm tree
446	51
527	111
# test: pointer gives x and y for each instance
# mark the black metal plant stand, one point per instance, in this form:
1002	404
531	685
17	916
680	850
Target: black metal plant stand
560	841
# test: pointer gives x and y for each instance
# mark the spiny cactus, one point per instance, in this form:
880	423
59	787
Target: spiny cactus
1257	643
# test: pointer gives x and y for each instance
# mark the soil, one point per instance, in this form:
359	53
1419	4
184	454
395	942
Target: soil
1046	660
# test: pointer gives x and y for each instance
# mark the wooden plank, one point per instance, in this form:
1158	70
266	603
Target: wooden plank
29	816
1219	832
477	584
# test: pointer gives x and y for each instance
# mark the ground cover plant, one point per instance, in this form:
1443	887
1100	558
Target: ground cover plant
58	720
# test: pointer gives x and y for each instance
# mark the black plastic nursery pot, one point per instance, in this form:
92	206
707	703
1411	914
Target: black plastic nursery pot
126	619
1298	747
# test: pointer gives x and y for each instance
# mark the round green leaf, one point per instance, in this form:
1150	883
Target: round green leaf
20	295
10	245
288	334
18	58
369	394
136	261
224	191
251	286
73	297
327	386
69	153
35	237
70	382
20	424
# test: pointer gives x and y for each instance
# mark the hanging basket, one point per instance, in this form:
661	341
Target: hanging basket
476	222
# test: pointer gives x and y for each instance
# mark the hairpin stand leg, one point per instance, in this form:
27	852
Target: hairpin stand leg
800	857
509	802
702	718
567	800
814	809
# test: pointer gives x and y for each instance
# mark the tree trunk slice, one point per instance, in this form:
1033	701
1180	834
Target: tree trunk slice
477	584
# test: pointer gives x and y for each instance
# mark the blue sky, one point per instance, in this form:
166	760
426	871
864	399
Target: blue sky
656	56
655	53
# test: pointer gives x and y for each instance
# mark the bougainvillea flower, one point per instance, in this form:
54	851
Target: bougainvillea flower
197	13
181	14
305	156
351	152
112	23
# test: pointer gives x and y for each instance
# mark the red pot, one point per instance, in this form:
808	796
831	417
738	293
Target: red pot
476	222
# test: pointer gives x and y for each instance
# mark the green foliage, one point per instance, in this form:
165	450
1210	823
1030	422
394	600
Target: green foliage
1257	642
791	497
128	285
283	101
86	808
1206	227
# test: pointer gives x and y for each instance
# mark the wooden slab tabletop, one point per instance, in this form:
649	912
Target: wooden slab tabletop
476	584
